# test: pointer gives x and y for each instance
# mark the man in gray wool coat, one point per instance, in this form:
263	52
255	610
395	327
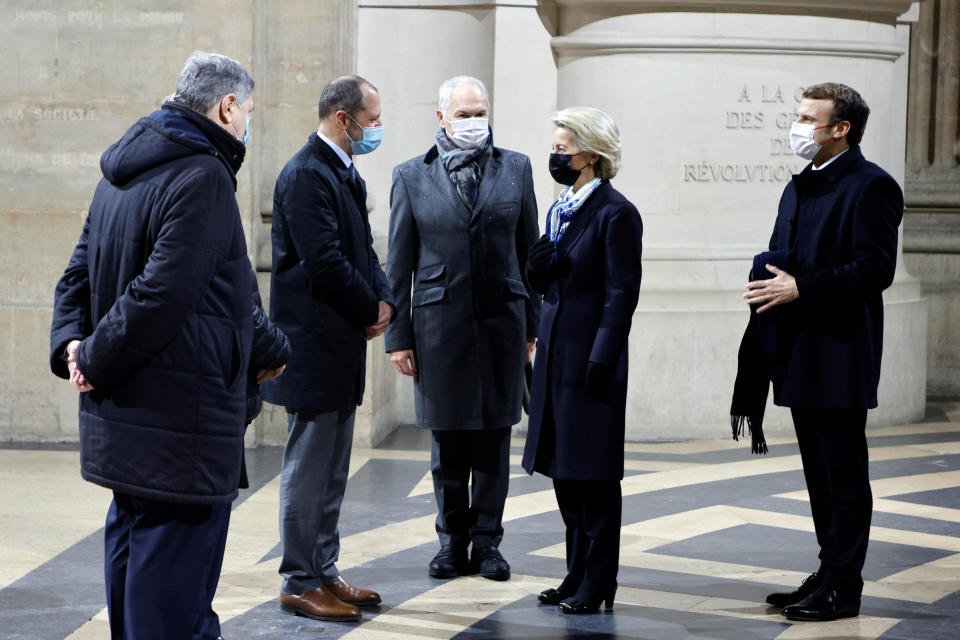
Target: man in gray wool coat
462	218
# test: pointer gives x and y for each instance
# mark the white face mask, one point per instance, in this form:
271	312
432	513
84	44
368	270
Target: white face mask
802	142
469	133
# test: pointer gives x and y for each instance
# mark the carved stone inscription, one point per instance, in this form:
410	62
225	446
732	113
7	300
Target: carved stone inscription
764	113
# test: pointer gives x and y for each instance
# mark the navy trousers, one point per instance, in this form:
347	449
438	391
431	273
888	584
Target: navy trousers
591	511
833	448
161	565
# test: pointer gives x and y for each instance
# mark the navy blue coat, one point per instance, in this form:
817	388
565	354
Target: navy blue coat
586	317
326	283
841	225
159	291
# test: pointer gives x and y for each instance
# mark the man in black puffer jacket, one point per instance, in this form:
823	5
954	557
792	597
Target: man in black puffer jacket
153	320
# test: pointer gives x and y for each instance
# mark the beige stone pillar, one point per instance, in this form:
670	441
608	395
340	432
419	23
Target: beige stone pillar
704	94
932	222
407	48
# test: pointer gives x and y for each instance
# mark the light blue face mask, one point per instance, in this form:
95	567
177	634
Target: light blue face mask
372	136
246	133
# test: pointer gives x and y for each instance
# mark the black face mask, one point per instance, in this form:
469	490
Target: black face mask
560	168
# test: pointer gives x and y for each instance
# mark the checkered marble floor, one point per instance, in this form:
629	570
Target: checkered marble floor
708	531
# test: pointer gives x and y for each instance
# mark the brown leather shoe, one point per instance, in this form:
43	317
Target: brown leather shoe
318	604
348	594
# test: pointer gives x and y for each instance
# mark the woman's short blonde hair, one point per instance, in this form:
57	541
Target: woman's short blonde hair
596	132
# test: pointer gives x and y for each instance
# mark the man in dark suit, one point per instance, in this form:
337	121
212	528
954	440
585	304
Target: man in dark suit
329	295
154	322
838	220
462	217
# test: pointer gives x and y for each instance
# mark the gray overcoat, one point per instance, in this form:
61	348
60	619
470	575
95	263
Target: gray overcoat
464	304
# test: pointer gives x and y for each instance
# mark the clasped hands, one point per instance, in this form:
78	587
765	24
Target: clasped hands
383	321
780	289
80	383
77	378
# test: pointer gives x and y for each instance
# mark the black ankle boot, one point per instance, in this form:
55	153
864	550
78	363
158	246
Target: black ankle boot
566	589
581	604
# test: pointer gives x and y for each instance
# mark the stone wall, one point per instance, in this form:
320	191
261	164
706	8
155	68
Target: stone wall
74	76
703	92
932	221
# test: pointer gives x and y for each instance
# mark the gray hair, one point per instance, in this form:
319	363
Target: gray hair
594	131
207	77
446	90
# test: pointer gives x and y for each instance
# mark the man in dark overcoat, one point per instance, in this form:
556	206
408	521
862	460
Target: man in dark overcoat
330	296
462	218
838	221
154	322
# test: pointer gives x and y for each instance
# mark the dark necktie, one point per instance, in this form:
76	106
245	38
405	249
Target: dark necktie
356	186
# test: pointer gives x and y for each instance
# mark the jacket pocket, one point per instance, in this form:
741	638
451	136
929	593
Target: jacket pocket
236	360
432	272
515	289
424	297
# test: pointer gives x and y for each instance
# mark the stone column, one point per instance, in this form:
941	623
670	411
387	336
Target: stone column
932	223
704	94
407	48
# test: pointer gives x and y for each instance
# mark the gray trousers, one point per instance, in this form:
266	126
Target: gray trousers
316	461
470	481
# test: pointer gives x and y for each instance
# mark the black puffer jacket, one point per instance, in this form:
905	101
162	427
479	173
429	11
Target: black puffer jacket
159	290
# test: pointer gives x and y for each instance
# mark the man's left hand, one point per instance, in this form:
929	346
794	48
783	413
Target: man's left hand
780	289
531	343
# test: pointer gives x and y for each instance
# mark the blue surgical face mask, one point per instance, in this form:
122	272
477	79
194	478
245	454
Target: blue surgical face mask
246	133
372	136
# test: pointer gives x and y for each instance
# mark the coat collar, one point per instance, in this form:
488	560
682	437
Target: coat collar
491	174
808	178
331	158
583	217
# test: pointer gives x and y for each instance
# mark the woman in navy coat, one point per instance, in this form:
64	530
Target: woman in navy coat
587	266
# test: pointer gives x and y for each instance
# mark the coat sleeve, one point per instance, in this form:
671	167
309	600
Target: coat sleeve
381	287
404	249
876	219
528	232
71	305
315	230
623	239
271	349
195	229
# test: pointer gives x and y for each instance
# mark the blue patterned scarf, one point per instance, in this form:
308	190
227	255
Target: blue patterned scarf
563	210
464	166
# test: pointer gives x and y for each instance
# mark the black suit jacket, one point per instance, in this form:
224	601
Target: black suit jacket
326	281
841	224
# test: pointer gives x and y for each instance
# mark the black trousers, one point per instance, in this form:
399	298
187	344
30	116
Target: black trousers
470	510
161	564
833	447
591	511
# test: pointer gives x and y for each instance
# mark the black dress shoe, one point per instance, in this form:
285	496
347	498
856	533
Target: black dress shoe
449	562
579	605
808	586
824	604
488	562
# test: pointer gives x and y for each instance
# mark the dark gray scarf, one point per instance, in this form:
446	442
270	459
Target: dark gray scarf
464	166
